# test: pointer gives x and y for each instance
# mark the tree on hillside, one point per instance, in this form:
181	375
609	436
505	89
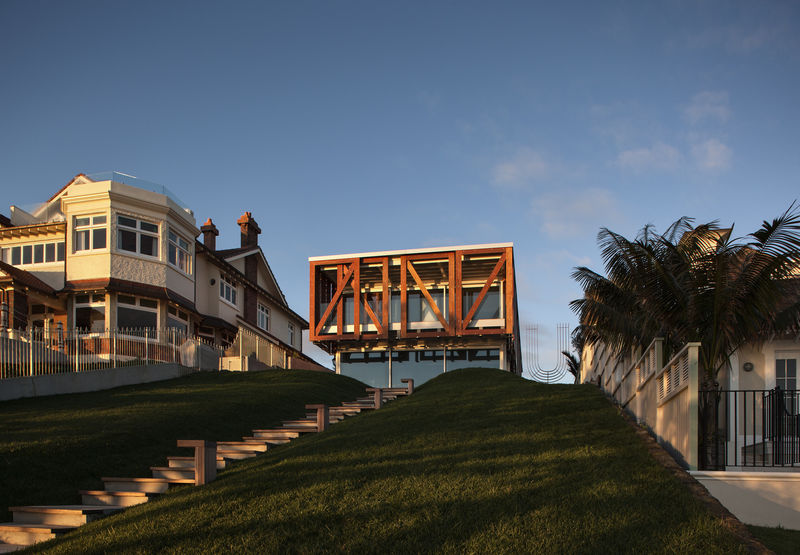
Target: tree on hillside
693	283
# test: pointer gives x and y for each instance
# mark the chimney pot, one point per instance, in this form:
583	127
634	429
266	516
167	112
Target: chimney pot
250	230
210	233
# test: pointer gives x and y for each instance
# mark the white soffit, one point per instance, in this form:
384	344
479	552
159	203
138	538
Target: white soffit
411	251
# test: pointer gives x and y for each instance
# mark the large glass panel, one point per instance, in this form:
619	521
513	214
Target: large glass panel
348	310
421	366
27	254
472	358
489	308
50	252
38	254
371	368
149	245
91	318
126	240
133	318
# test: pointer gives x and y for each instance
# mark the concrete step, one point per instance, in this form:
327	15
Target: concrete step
238	455
150	485
278	433
241	446
29	534
172	472
188	462
63	515
115	498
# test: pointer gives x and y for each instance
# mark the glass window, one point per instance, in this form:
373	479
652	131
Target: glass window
137	236
16	256
420	366
263	317
27	254
38	254
61	251
371	368
136	318
291	334
227	290
786	373
178	252
90	233
90	313
472	358
50	252
5	255
490	306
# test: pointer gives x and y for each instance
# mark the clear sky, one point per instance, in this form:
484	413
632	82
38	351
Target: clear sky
362	126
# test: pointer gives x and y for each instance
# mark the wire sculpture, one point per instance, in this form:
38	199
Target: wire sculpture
531	354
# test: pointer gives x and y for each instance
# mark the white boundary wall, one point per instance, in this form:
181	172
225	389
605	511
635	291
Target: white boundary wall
759	498
93	380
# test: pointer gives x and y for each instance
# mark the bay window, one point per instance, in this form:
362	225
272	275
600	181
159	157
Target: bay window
137	236
178	252
90	233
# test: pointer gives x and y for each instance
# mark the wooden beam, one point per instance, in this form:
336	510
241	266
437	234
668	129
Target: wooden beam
334	299
356	295
428	297
340	304
370	313
451	309
510	292
387	298
312	302
459	256
403	297
486	286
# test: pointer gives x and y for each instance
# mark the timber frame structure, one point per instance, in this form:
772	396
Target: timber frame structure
457	297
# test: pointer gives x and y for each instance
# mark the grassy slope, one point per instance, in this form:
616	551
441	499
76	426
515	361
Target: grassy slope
780	540
53	446
476	461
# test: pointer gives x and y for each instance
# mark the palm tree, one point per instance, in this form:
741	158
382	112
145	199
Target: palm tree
693	283
573	365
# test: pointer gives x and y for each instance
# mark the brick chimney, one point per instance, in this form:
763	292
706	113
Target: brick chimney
210	233
250	230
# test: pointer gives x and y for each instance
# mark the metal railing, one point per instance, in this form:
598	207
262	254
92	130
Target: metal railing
750	428
38	352
249	344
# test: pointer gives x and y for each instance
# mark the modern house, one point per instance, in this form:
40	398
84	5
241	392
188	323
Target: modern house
110	251
390	315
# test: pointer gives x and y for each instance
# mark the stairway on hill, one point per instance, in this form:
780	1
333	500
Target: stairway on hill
37	523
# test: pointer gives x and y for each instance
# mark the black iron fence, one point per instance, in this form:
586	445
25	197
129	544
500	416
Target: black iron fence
749	428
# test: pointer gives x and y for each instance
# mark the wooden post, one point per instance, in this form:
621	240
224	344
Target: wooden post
409	384
378	396
322	416
205	459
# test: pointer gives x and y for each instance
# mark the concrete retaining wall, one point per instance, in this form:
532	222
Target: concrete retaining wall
759	498
93	380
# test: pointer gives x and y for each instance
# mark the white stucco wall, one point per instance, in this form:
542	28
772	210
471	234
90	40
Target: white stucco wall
759	498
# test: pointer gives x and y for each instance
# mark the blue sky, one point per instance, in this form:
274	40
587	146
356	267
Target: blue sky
361	126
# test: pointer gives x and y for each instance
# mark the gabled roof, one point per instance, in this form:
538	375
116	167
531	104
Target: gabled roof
4	221
64	188
235	254
23	277
231	269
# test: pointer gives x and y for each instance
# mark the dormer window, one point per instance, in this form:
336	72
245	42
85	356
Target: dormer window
137	236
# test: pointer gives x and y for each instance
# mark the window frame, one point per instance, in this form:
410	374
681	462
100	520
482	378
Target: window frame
227	284
136	305
290	327
7	253
91	230
179	249
138	232
263	310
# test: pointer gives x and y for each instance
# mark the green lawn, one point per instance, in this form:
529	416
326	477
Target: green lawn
779	540
53	446
475	461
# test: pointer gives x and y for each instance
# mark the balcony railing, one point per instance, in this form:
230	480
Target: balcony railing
749	428
37	352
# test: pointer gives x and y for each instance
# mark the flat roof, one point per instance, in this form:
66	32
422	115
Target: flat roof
411	251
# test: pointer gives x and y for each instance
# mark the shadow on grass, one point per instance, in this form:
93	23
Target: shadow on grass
475	461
